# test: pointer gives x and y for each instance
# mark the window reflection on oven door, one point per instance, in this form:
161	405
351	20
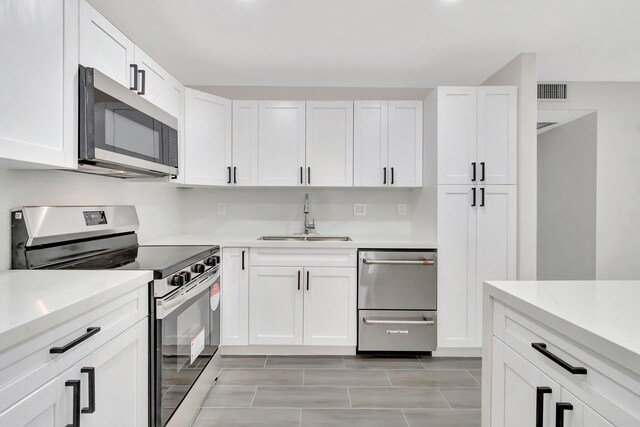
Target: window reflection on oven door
188	335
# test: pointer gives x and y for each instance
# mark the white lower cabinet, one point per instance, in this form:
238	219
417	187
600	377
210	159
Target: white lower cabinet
581	415
235	296
302	306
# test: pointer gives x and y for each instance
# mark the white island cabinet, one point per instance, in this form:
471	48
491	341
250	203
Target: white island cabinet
74	348
561	354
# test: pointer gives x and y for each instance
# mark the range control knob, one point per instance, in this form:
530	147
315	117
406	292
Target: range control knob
216	259
198	268
186	276
211	261
177	280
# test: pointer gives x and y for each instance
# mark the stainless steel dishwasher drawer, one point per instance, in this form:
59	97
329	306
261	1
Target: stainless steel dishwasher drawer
382	330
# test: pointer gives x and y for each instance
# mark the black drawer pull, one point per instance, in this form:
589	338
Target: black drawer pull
540	392
91	372
75	385
560	408
542	348
90	332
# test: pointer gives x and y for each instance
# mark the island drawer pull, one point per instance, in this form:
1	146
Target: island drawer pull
90	332
542	348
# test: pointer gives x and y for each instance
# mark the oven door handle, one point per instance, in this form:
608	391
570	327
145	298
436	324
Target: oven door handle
166	306
424	321
399	261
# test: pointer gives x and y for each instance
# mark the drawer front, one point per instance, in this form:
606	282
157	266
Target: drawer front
291	257
382	330
608	388
25	368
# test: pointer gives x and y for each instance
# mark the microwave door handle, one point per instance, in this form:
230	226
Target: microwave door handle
164	307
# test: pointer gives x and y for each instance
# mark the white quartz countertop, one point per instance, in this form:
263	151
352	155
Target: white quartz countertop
252	241
33	301
602	315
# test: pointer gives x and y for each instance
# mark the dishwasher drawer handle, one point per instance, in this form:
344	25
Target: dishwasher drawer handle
424	321
399	261
90	332
542	348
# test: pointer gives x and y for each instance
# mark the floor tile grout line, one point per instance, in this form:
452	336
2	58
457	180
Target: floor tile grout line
303	371
405	418
474	378
300	419
255	393
265	362
445	398
388	377
349	394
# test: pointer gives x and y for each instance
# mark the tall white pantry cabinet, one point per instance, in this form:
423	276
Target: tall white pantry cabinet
474	130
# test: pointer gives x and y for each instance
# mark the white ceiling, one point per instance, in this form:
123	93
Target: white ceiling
380	43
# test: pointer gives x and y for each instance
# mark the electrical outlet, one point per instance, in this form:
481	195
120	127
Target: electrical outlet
222	208
402	209
359	209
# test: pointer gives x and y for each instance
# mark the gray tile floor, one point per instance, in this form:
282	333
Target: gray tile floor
353	391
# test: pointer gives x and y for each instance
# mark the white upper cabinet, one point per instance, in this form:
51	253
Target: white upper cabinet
38	117
329	144
281	147
457	134
152	78
497	134
207	139
405	144
371	143
477	135
245	143
174	98
104	47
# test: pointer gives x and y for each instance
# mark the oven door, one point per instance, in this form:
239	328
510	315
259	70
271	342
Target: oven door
187	335
123	131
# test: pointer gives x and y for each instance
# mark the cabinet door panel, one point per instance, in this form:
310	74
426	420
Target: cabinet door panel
371	143
581	415
156	79
207	138
235	296
330	306
275	304
329	143
497	133
173	97
457	293
457	134
496	241
121	380
405	143
514	393
104	47
245	142
281	144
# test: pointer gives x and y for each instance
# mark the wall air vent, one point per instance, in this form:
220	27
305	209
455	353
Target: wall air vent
552	91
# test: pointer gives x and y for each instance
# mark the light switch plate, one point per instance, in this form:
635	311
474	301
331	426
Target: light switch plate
222	208
402	209
359	209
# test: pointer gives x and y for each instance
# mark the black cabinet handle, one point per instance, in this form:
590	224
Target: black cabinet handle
542	348
308	174
91	372
384	176
235	175
301	175
75	385
560	408
473	196
482	171
134	69
482	196
243	260
142	75
228	174
473	168
307	279
540	392
298	279
393	178
90	332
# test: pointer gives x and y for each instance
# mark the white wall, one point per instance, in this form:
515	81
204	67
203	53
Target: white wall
523	72
159	204
618	172
567	201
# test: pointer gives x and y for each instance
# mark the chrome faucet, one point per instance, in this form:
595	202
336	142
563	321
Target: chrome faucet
309	227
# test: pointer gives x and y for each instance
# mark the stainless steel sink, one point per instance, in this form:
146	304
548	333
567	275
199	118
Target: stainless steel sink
307	238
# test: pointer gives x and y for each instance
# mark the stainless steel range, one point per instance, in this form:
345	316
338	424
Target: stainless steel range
184	328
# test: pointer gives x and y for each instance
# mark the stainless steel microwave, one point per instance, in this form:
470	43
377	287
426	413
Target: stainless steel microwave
121	133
